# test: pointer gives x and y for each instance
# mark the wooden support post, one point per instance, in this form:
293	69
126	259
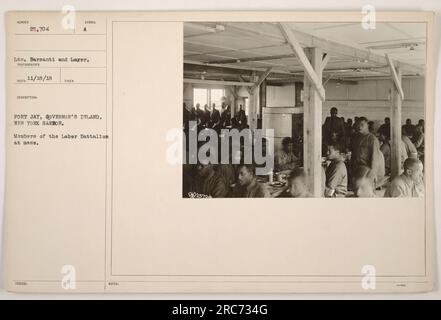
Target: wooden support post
254	94
232	91
233	105
396	127
252	111
395	77
234	97
262	97
306	130
397	97
312	126
298	93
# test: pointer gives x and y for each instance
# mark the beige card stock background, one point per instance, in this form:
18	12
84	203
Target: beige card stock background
113	209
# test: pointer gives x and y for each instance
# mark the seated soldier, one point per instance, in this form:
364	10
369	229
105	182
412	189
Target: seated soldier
385	150
211	184
364	182
419	140
410	148
248	186
336	174
297	185
410	183
285	159
227	172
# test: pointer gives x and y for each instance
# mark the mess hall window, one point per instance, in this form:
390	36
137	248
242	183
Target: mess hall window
205	96
216	96
200	96
247	106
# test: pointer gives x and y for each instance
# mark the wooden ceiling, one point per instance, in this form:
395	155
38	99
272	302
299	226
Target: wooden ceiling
234	51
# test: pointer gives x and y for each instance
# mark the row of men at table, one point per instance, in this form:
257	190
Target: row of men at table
214	118
230	180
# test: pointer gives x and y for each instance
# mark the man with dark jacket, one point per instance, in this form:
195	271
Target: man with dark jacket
248	186
333	124
211	184
215	117
384	129
366	151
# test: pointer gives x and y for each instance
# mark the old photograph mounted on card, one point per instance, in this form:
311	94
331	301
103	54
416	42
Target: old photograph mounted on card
298	110
116	125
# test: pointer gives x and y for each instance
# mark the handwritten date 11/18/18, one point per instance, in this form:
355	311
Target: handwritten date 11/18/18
40	78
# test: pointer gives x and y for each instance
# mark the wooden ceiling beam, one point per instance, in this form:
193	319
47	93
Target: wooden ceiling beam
262	78
303	59
217	82
253	59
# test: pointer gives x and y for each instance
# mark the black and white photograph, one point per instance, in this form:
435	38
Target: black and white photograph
123	124
303	110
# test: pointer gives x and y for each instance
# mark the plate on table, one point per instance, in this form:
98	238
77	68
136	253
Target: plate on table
277	184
